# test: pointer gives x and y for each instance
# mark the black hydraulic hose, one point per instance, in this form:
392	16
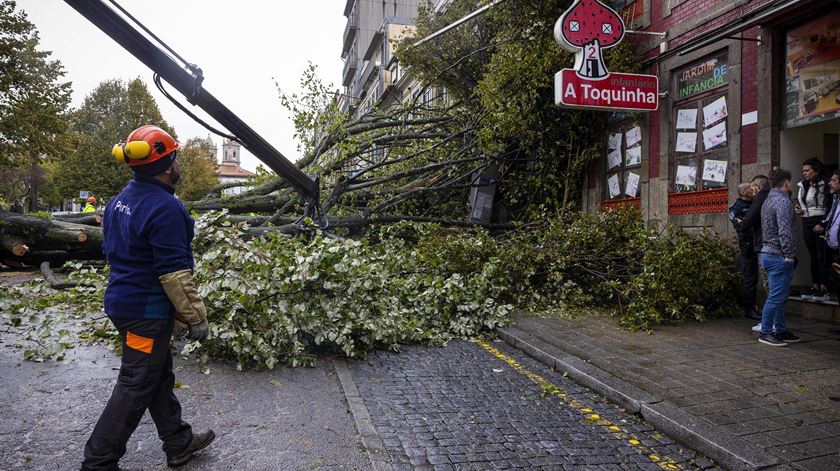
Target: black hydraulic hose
189	113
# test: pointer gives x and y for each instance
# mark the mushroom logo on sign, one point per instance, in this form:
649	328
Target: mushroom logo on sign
586	29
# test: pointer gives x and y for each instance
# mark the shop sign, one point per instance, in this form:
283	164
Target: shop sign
702	76
586	29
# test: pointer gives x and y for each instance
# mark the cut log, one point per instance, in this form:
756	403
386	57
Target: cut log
14	245
87	219
47	239
55	257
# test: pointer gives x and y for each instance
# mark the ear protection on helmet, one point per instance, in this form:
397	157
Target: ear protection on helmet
134	150
144	145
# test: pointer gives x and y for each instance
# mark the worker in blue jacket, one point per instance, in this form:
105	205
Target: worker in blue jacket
148	245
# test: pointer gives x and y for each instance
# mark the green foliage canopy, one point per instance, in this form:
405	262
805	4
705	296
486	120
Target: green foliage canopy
198	170
33	105
107	115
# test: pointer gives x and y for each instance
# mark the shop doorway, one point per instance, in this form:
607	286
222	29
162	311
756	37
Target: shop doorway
821	140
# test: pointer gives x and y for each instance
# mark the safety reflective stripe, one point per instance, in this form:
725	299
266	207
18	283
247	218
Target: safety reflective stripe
139	343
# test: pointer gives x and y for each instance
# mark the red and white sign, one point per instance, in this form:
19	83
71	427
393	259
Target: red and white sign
630	92
586	29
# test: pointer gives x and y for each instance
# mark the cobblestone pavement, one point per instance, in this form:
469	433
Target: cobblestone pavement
781	401
487	406
286	419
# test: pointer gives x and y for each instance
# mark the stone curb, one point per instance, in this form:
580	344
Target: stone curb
714	442
370	437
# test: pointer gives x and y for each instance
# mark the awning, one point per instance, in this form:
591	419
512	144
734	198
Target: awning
760	16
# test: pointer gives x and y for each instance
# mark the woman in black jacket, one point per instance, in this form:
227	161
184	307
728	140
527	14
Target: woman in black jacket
813	203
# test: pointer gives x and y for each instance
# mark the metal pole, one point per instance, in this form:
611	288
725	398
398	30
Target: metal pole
649	33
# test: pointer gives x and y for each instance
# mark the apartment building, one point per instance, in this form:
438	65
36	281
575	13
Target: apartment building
371	75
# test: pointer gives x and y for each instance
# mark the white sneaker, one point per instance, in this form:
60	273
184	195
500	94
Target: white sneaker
757	327
821	296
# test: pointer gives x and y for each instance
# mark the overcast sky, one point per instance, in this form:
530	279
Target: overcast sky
242	46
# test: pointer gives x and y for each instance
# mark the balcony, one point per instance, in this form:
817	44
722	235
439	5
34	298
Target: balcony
350	67
367	74
349	35
350	32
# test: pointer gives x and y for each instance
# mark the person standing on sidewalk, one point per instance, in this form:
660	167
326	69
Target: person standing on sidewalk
814	202
747	259
829	229
777	258
147	241
752	222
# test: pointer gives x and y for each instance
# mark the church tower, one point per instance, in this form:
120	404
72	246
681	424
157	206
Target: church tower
230	152
212	150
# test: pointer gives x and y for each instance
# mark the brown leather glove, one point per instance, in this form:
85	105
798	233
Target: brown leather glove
181	290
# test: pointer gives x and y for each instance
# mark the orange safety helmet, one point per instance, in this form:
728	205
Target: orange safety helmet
145	145
91	200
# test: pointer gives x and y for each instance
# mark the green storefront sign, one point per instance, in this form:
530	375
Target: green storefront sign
701	76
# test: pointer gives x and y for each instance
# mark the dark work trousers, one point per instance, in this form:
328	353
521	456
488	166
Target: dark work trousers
145	382
748	267
817	249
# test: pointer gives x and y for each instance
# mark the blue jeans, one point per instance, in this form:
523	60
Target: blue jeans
779	275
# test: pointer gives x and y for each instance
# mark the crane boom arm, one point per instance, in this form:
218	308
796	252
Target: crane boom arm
189	84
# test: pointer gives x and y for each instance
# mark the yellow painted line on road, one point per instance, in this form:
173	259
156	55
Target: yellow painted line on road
589	416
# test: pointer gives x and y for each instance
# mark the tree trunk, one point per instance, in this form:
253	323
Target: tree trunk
47	239
86	219
14	245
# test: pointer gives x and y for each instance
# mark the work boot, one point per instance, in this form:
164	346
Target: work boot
199	442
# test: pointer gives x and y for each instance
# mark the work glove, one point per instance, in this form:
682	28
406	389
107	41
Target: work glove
198	331
182	292
181	329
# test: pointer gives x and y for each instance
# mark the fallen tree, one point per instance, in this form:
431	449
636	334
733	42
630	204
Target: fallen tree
32	240
88	219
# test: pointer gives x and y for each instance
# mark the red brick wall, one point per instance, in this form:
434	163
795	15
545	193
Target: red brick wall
749	96
687	12
632	11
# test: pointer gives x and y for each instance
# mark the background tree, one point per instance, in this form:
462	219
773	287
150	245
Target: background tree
198	170
33	106
106	117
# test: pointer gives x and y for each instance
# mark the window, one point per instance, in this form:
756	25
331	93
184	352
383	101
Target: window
624	161
699	136
428	95
812	72
700	144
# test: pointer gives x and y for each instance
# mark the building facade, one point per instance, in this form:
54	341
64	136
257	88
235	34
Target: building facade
229	170
372	77
745	86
